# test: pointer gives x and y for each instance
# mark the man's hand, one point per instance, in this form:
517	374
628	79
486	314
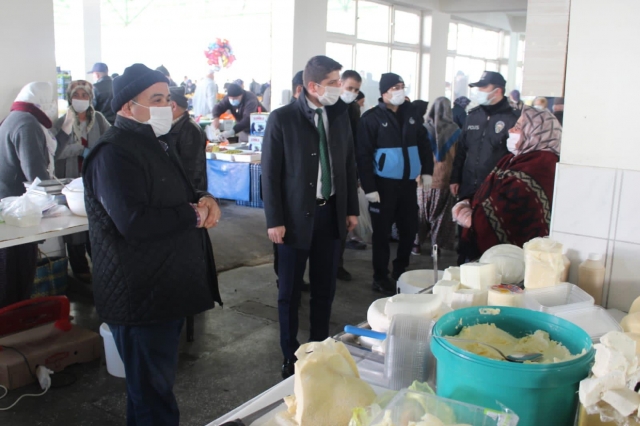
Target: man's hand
352	222
228	134
213	212
454	188
203	212
276	235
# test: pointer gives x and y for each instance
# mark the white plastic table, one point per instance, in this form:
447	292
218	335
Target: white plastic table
49	228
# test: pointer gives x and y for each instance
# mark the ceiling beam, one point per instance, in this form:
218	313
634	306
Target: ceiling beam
518	23
482	6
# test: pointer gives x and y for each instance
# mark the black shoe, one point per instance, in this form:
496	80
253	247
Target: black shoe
288	369
384	286
343	274
355	245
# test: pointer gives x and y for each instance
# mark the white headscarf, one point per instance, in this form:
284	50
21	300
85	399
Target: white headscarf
40	93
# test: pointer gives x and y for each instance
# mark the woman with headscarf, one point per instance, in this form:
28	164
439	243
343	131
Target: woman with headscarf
77	133
26	153
459	111
515	101
435	203
513	205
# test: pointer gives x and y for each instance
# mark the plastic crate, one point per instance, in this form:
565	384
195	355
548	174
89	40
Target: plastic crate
410	406
595	320
560	298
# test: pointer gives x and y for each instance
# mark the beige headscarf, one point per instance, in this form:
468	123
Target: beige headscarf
87	87
40	93
541	131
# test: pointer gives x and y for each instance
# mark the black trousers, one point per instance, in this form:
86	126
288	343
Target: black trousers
323	266
399	205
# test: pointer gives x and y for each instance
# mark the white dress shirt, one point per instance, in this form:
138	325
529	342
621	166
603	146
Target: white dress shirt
325	120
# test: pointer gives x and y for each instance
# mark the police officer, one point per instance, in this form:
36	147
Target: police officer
484	135
392	152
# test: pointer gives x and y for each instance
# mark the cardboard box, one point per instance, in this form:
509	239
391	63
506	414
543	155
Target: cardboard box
258	123
255	143
48	346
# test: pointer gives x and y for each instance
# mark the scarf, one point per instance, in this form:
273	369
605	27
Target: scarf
443	132
541	131
90	112
45	123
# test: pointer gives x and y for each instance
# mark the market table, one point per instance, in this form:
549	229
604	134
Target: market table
49	228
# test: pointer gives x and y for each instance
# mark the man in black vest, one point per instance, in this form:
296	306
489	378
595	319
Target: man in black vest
152	258
309	189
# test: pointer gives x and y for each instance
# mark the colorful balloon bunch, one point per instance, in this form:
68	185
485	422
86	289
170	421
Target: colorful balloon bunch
220	54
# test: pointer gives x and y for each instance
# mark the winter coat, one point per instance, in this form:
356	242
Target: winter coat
102	96
242	112
190	142
150	262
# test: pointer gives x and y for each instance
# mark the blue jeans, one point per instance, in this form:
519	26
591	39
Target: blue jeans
150	356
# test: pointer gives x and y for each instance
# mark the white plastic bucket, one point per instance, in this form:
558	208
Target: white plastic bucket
115	366
413	282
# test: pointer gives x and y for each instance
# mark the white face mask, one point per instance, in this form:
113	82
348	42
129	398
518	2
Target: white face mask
348	97
538	107
79	105
513	140
482	98
330	96
160	119
397	97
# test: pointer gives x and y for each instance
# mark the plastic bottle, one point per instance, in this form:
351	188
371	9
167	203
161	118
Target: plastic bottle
591	276
564	275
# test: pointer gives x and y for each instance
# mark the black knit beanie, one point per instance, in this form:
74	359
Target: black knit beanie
234	90
135	80
388	80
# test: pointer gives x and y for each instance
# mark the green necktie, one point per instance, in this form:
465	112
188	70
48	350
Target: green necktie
325	164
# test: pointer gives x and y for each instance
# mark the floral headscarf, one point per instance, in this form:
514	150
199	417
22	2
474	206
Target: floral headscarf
73	88
541	131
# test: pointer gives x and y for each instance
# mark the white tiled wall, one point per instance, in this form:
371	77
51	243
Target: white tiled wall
597	210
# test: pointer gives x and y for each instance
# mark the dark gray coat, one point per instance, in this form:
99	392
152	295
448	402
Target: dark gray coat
290	161
191	142
23	153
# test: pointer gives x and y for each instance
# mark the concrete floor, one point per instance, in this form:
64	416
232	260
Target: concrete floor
235	355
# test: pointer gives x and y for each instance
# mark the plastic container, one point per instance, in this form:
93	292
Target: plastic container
413	282
591	276
595	320
543	263
115	366
74	193
560	298
410	406
408	351
540	394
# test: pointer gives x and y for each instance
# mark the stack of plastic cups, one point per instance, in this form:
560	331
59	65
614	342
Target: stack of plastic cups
408	354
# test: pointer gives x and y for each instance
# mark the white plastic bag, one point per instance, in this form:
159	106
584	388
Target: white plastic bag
22	212
363	229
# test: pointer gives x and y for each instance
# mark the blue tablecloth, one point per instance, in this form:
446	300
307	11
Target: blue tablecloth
231	181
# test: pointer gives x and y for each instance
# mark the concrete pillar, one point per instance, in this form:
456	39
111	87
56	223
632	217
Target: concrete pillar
513	62
27	48
92	34
438	60
298	32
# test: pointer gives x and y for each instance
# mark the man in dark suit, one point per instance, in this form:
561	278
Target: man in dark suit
309	188
103	91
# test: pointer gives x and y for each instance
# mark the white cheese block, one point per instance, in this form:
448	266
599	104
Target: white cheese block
445	288
452	273
614	380
624	401
423	305
618	341
467	297
480	276
590	391
376	317
636	338
608	360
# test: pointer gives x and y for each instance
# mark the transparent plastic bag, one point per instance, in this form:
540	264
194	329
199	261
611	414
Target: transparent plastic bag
22	212
363	229
543	263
